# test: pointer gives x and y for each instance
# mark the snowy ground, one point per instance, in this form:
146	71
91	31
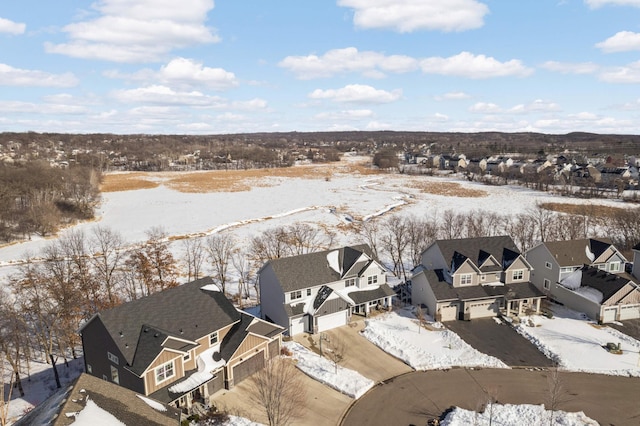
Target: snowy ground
507	414
576	343
344	380
398	334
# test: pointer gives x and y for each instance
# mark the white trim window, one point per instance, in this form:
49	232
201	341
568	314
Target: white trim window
213	338
295	295
115	376
165	372
546	284
187	357
114	359
349	282
372	279
614	266
466	279
547	265
566	269
308	292
517	275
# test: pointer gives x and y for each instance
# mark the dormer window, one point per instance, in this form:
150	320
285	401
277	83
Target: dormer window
373	279
164	372
518	275
213	338
349	282
466	279
614	267
294	295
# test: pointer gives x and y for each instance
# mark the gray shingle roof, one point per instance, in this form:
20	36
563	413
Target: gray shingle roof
364	296
477	249
608	284
572	252
185	312
311	270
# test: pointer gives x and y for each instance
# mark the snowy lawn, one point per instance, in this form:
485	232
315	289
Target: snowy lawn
515	415
398	334
576	343
346	381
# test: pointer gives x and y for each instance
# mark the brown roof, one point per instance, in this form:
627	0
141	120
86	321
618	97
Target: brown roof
574	252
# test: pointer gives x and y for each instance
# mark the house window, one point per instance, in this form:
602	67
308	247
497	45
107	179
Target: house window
566	269
114	359
518	275
89	369
186	357
373	279
483	277
547	265
614	267
308	292
350	282
602	266
296	295
546	284
114	375
466	279
213	338
164	372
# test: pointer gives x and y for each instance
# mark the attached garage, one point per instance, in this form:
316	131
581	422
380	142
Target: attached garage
248	367
447	312
629	312
481	309
297	325
327	322
609	314
215	384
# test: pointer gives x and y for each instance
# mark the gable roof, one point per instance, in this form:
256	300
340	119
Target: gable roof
606	283
501	247
574	252
313	269
187	311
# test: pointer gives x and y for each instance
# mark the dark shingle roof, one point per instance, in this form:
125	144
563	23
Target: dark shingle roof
312	269
477	249
573	252
608	284
364	296
441	288
636	247
186	312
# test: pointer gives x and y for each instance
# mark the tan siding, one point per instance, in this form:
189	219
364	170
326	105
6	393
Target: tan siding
191	364
150	376
249	345
627	295
518	264
605	255
465	268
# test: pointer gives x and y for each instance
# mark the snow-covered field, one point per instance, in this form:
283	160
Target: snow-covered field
398	334
344	380
507	414
576	343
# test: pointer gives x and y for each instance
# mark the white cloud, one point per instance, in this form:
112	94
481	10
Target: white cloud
137	30
183	73
622	41
440	117
352	114
468	65
346	60
485	108
411	15
571	68
537	105
357	93
594	4
452	96
13	107
10	27
628	74
377	125
10	76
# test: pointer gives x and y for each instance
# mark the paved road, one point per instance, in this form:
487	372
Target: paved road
500	341
416	397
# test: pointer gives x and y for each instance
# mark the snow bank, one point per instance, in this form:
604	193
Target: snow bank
516	415
346	381
422	349
92	415
152	403
572	281
206	365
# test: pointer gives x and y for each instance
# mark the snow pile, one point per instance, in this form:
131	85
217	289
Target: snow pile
153	403
92	415
398	335
589	254
347	381
508	414
240	421
206	365
577	344
572	281
210	287
590	293
333	258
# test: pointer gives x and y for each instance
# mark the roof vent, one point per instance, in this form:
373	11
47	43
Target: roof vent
121	335
146	330
181	332
156	335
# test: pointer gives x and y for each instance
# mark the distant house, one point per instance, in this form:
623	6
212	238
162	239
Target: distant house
472	278
635	271
318	291
178	346
566	271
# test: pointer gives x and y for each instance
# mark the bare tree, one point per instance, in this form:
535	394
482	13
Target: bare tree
279	390
194	256
245	271
220	248
153	266
336	351
5	400
13	338
557	395
271	244
304	238
452	225
420	316
421	233
394	240
369	233
108	258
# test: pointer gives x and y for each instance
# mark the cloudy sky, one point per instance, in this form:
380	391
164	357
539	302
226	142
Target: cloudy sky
231	66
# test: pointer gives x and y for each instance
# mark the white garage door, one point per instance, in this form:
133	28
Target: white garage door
629	312
327	322
297	326
483	310
609	314
448	313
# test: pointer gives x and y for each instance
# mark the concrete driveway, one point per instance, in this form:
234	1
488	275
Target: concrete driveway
324	406
500	341
360	354
415	398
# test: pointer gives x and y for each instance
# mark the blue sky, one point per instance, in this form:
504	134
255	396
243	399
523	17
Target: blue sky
235	66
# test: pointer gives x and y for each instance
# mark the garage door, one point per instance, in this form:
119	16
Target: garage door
609	314
215	384
327	322
248	367
483	310
297	326
448	313
629	312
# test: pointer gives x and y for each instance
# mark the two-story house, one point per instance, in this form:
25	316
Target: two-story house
179	345
587	275
318	291
474	278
